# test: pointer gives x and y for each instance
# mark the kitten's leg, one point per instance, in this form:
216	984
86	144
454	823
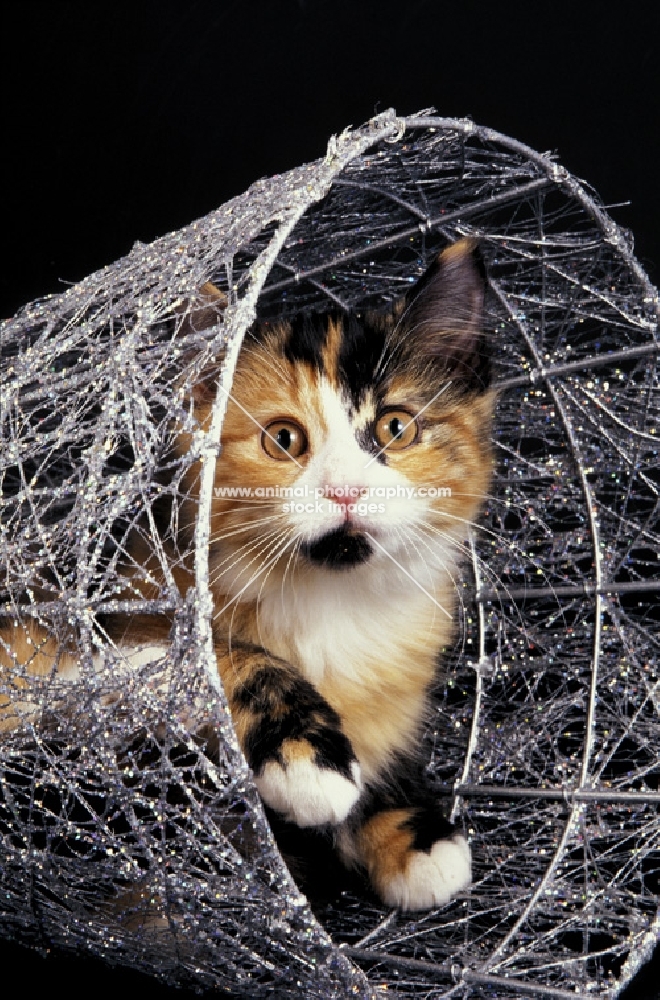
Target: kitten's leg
304	765
414	857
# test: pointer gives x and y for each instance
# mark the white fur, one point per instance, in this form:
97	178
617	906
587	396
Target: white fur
309	795
375	604
138	656
131	657
339	462
432	878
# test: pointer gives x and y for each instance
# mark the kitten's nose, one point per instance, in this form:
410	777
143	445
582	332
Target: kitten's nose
343	492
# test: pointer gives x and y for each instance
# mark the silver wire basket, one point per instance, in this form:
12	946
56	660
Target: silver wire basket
130	833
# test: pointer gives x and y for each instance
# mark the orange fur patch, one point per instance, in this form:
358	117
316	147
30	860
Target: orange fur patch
384	846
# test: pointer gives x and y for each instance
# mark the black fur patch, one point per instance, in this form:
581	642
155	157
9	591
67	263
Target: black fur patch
307	338
428	825
311	857
291	709
407	787
361	350
339	549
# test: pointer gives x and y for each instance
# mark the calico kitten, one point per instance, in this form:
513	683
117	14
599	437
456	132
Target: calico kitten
364	439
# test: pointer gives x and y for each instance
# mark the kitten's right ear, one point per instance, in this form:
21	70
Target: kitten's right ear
443	316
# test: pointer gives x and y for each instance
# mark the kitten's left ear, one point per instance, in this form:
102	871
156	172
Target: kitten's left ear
200	313
443	316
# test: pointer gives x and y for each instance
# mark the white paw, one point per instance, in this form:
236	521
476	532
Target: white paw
309	795
431	878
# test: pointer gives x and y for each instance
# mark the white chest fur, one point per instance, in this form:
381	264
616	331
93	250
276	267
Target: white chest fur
348	624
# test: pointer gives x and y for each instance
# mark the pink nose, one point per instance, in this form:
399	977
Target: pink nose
343	493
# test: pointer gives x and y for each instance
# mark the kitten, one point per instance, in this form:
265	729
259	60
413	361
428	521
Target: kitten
333	582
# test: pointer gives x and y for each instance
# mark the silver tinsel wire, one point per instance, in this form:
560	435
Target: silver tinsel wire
121	836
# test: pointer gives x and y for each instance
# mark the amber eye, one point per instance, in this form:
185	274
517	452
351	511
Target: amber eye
395	430
284	439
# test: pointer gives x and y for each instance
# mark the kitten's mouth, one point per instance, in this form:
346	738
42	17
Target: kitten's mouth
339	549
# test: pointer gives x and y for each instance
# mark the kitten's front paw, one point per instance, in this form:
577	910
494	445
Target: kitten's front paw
430	878
305	793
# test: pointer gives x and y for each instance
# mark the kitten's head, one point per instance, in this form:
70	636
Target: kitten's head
354	439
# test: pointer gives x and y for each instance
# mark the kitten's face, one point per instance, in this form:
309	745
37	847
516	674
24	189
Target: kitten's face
363	438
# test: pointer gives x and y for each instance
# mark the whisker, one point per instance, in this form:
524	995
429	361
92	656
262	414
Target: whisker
236	555
405	572
292	556
220	536
241	564
482	529
407	537
255	502
254	577
493	498
264	581
488	575
235	608
448	565
455	543
258	350
263	543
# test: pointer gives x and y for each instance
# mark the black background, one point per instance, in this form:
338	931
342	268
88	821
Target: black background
123	121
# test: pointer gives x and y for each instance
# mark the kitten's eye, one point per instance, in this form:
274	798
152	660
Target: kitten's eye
396	429
283	439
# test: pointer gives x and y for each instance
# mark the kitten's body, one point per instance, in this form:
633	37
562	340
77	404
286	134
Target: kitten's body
328	623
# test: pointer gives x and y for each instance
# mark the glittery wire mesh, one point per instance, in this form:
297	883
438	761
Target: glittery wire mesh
126	831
